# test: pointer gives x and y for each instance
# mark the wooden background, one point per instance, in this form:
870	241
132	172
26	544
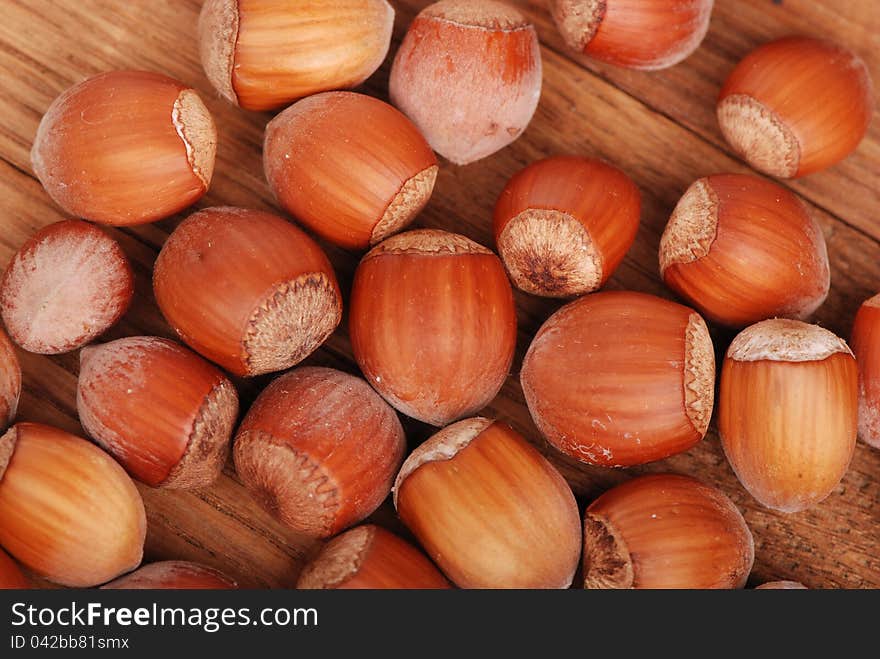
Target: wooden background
658	127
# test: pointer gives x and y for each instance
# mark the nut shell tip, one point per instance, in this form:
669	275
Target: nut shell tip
444	445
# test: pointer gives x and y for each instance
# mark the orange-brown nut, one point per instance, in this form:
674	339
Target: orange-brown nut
564	224
263	54
10	381
162	411
787	412
489	509
637	34
432	324
246	289
620	378
865	342
126	147
666	531
468	74
319	450
781	585
796	106
742	249
173	575
67	510
349	167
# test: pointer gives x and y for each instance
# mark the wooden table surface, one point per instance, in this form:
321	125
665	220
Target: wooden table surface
658	127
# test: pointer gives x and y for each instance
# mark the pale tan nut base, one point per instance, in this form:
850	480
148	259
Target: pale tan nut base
692	227
208	445
408	203
759	136
218	32
340	560
291	323
551	254
196	128
286	483
487	14
699	374
607	561
427	241
578	20
784	340
7	447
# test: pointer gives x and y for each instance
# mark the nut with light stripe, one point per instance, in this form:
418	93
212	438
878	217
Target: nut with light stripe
787	412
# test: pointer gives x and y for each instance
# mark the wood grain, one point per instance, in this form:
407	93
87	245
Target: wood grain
658	127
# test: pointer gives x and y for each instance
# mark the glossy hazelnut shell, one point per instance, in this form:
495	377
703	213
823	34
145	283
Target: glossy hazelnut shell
246	289
433	324
621	378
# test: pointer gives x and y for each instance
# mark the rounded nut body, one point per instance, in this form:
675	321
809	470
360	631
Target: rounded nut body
68	284
173	575
351	168
787	412
432	324
246	289
742	249
796	106
620	378
369	557
637	34
10	381
865	344
489	509
67	510
11	576
468	74
126	147
319	450
666	531
163	412
564	224
263	54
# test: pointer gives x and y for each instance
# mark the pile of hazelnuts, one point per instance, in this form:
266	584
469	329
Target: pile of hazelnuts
614	379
